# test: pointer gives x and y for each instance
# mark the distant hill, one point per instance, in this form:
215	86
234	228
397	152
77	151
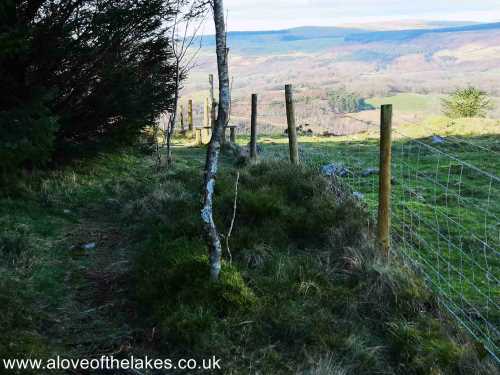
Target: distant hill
310	39
408	24
405	35
428	59
283	41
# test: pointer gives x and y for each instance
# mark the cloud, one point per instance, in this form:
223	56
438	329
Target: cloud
278	14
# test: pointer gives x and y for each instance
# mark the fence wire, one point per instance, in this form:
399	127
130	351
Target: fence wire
446	222
445	207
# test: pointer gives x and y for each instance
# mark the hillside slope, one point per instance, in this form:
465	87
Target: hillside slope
305	291
303	39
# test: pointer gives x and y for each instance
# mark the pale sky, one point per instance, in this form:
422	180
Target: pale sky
247	15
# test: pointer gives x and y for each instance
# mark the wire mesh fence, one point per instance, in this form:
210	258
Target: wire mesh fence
445	197
445	203
446	222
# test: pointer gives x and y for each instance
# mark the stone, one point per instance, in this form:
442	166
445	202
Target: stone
358	195
89	246
333	169
437	140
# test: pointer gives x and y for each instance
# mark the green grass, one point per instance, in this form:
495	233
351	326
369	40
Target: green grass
407	102
304	283
445	212
305	291
430	104
48	301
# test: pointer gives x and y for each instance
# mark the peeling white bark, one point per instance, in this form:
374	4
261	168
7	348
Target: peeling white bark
212	161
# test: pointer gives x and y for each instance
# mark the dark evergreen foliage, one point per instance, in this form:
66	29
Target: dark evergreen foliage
80	73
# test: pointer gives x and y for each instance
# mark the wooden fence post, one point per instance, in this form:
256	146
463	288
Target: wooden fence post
190	116
213	103
384	204
206	112
211	82
232	134
182	119
253	129
292	129
198	141
206	120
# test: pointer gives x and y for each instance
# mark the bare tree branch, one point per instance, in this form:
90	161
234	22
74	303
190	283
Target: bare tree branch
235	205
181	46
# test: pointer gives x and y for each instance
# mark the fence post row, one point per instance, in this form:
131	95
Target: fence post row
190	116
384	206
206	119
253	129
232	134
213	103
198	140
292	129
182	118
206	113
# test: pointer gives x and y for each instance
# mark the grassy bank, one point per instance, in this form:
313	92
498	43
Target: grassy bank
305	291
445	206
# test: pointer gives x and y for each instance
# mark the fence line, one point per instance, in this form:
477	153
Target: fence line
445	214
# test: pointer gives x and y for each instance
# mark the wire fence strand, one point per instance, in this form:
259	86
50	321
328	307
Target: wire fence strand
445	193
445	212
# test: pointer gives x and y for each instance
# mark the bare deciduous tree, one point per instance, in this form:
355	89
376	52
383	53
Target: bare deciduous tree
212	161
189	18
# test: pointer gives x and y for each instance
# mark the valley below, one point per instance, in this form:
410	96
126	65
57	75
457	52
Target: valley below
413	69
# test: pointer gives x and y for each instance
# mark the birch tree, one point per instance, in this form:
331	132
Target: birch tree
213	152
188	19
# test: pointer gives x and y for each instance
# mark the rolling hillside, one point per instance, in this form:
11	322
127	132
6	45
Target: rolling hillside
306	39
372	61
404	35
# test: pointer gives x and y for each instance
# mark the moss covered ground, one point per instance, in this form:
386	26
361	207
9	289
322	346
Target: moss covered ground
302	290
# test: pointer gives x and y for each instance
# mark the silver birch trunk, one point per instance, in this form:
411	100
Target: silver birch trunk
212	161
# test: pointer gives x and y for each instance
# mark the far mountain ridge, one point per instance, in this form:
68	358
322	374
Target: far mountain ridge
311	38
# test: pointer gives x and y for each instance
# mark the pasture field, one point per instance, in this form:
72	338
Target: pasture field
408	102
445	209
430	104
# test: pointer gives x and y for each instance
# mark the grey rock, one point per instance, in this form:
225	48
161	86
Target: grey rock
358	195
333	169
437	140
89	246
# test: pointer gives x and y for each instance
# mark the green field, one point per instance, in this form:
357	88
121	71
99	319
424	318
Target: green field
446	207
408	102
428	103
